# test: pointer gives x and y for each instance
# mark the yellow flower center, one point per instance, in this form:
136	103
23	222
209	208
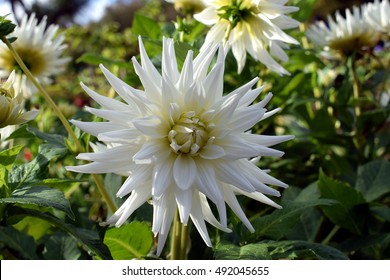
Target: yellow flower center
33	59
237	11
189	134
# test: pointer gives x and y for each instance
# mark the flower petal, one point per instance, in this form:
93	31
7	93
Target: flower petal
184	171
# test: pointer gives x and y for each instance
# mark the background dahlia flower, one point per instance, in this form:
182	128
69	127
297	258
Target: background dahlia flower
39	48
251	26
377	14
344	34
181	143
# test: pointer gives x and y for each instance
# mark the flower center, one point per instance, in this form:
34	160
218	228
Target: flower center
237	11
33	59
188	134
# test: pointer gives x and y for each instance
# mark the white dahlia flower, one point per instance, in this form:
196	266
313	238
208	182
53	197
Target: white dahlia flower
39	48
253	26
377	14
352	33
11	108
180	141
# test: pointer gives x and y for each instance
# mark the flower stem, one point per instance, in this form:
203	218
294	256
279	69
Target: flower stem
61	116
330	235
356	87
179	239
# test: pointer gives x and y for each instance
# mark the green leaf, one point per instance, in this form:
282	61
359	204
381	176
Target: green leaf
40	196
23	244
229	251
296	249
96	59
6	26
35	170
357	243
344	213
89	240
289	249
60	246
281	222
145	26
7	157
373	179
130	241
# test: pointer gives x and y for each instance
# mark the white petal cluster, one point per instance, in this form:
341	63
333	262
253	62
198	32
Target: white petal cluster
350	33
377	14
39	48
181	143
11	108
253	26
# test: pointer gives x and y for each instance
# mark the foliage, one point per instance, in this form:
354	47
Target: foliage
337	204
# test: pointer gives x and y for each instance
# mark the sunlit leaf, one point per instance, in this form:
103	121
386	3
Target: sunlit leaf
130	241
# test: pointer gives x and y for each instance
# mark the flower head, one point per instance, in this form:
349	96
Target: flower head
251	26
377	15
188	6
180	142
11	109
39	49
346	35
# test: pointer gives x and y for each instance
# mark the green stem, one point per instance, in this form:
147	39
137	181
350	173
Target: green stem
62	118
356	88
330	235
179	237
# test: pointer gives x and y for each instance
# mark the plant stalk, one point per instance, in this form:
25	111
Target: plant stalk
179	237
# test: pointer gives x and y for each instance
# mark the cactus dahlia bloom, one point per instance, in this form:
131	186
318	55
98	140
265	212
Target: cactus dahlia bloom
377	14
11	108
253	26
346	35
39	49
181	143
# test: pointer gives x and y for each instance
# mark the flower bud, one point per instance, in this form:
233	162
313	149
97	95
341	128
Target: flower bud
11	109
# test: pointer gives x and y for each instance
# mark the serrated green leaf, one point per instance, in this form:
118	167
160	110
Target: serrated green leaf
145	26
344	213
297	249
23	244
229	251
35	170
373	179
89	240
281	222
130	241
289	249
40	196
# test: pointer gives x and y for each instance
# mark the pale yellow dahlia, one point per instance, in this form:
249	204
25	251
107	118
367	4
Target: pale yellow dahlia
181	143
39	48
253	26
11	108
